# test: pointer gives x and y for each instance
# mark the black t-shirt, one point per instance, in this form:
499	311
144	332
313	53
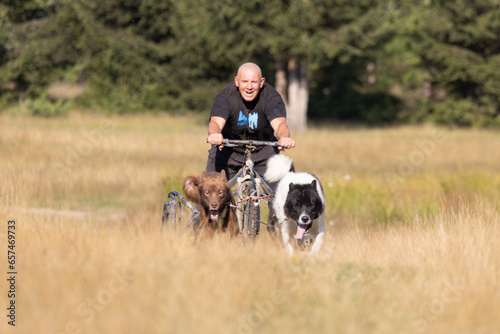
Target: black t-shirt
248	120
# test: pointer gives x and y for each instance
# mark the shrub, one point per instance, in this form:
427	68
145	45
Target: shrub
42	106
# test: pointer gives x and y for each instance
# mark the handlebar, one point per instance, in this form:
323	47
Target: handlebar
240	142
235	143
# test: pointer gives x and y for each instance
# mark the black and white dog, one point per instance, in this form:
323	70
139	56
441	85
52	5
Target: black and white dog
298	205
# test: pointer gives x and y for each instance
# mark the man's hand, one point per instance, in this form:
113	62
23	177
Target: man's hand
215	139
287	142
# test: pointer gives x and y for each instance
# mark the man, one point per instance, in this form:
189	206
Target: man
247	108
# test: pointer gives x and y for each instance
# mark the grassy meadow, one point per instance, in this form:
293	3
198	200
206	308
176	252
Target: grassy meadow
412	243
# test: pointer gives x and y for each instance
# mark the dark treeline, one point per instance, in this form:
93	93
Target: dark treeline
363	61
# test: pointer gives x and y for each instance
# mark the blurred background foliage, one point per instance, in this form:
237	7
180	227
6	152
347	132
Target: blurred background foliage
372	62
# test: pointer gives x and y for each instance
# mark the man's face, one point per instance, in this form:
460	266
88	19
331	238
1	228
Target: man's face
249	82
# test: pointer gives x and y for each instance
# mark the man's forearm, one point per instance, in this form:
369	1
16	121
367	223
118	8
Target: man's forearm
282	131
213	128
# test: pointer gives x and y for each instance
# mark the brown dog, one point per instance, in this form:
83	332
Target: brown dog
212	193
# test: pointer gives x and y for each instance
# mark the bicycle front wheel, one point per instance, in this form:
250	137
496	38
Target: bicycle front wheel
250	209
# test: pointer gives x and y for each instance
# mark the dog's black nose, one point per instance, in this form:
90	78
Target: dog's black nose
305	219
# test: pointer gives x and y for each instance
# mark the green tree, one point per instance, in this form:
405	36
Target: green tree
364	60
444	71
93	43
285	37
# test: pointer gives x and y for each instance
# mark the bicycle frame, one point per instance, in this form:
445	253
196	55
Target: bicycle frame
248	177
250	187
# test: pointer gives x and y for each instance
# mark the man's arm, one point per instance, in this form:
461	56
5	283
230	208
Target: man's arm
282	132
215	127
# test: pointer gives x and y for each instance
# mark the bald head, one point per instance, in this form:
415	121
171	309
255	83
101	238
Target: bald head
249	81
249	67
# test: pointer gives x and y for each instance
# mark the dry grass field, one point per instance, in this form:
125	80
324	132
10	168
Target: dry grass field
412	242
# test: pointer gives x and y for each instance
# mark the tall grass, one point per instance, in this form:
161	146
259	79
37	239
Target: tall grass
412	233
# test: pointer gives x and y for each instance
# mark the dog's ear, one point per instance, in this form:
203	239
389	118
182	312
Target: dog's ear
203	174
190	186
313	184
222	175
290	186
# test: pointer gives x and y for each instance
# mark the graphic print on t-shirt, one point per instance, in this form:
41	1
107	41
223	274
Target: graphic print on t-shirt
251	120
242	119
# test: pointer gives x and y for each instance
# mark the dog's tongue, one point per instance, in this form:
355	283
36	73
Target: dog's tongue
300	232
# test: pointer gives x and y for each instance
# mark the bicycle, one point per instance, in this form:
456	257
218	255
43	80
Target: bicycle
250	189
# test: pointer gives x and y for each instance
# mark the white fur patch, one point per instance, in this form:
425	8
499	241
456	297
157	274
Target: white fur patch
277	167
